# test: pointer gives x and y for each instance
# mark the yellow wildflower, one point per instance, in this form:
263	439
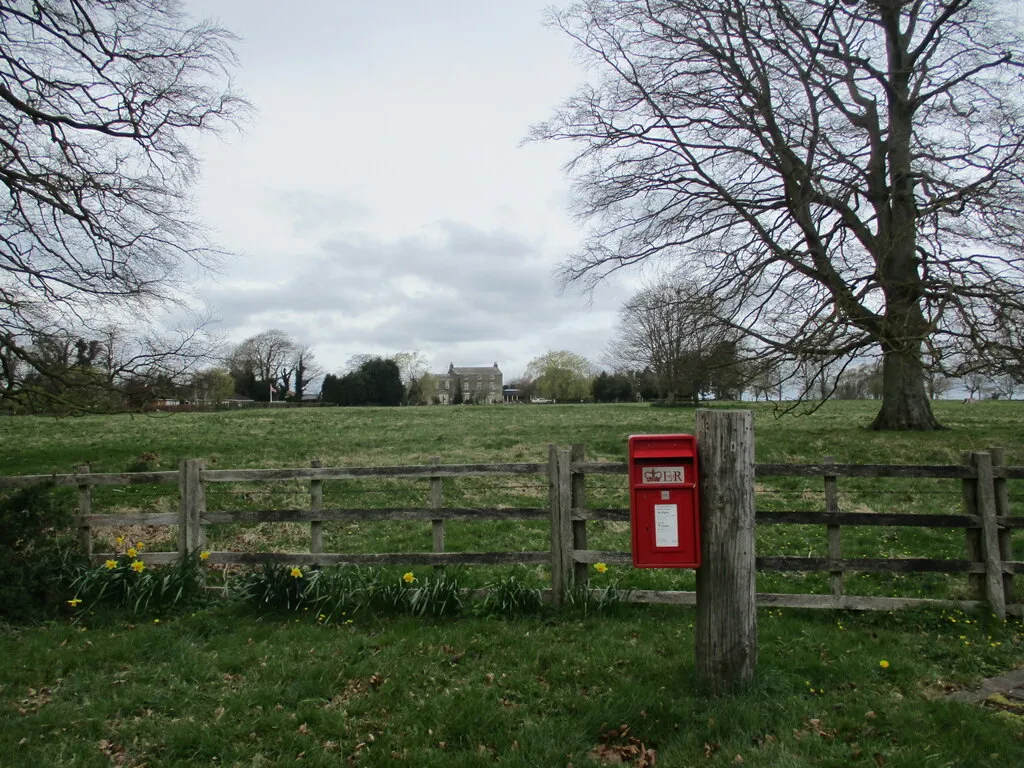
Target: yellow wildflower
73	602
204	555
883	664
600	567
110	564
296	573
408	578
133	552
138	566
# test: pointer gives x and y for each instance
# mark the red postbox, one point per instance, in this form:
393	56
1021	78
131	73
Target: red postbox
663	506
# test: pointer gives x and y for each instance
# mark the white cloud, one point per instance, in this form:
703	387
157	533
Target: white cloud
381	200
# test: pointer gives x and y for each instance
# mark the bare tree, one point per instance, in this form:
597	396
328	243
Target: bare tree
263	361
306	369
674	331
98	100
844	177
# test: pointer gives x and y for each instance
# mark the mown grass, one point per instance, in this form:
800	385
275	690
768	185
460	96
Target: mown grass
222	686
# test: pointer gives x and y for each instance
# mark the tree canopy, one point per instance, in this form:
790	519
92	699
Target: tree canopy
561	375
845	179
98	101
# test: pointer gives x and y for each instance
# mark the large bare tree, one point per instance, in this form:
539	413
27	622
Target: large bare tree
843	176
98	101
672	330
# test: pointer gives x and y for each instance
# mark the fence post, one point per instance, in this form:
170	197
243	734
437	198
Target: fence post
316	504
581	574
835	546
191	535
969	489
726	631
84	509
558	576
1005	532
994	594
436	502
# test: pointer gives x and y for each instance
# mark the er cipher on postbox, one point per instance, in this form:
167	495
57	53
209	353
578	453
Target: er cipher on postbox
663	505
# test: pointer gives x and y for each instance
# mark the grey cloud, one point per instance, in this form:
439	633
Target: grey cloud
474	285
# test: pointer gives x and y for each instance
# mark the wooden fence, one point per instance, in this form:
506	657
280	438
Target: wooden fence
985	518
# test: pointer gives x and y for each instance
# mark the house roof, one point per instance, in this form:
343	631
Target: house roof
488	369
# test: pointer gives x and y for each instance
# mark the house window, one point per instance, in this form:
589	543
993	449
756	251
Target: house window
447	383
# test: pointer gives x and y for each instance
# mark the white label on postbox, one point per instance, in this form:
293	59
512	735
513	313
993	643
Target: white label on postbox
666	525
663	475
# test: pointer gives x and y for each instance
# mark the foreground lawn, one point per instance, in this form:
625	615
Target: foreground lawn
221	688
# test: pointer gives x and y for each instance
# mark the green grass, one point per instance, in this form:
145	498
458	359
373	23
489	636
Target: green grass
220	687
381	436
224	687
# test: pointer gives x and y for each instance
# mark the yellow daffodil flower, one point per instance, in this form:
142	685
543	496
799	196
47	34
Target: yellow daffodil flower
138	566
883	664
132	552
408	578
140	545
600	567
296	573
110	565
204	555
119	540
73	602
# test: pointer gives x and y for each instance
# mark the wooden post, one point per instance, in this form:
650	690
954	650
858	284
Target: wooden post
994	594
726	632
316	504
835	547
1005	532
969	488
191	535
84	508
558	576
436	503
581	574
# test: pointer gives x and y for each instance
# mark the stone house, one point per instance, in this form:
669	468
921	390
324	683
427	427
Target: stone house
468	385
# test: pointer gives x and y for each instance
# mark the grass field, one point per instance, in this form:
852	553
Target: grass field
223	687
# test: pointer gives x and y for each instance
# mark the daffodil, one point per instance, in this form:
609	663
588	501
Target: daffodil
296	573
110	565
138	566
883	664
140	545
132	552
204	555
119	540
73	602
408	578
600	567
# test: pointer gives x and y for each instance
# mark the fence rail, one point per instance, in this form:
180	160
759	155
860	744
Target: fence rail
986	519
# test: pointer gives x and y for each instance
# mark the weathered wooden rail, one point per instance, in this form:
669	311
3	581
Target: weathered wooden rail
986	519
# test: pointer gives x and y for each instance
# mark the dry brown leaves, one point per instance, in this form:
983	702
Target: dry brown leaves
618	747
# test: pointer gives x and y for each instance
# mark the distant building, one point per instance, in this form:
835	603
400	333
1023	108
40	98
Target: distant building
468	385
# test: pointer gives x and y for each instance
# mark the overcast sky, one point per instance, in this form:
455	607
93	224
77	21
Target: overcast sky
381	199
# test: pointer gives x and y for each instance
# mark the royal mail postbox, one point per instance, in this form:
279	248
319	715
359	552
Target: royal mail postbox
664	517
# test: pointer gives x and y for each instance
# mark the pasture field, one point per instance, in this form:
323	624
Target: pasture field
221	686
469	434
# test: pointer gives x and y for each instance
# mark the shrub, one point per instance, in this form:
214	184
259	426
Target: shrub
38	555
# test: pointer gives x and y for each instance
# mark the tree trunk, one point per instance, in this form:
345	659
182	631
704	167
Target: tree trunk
905	403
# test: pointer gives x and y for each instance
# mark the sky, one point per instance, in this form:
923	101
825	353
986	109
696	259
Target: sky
381	198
